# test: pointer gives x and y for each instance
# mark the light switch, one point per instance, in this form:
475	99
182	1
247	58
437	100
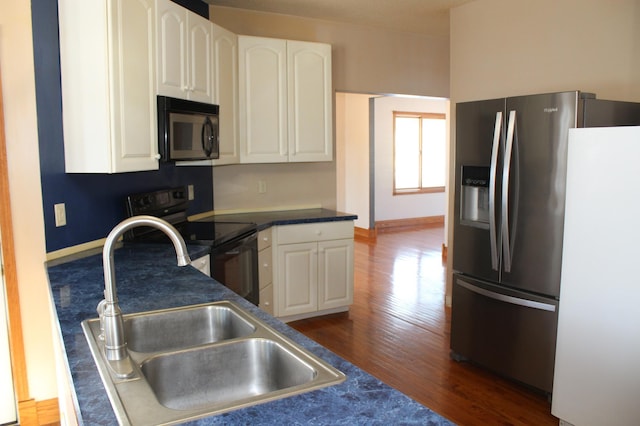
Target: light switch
60	214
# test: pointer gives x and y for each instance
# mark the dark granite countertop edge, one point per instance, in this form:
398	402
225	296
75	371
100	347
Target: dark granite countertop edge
267	219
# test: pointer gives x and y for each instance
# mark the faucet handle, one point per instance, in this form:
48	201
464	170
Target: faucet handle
101	307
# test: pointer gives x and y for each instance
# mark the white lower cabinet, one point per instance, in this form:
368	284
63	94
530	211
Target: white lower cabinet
265	271
313	269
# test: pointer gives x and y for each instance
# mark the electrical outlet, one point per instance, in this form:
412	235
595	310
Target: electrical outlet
262	187
60	214
190	192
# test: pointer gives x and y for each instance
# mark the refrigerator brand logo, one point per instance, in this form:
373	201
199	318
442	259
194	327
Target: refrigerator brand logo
550	110
475	182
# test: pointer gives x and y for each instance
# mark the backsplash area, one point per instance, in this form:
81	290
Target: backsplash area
94	203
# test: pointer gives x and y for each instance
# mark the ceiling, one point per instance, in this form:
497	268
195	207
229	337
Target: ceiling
428	17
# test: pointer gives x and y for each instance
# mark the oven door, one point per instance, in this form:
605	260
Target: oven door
235	264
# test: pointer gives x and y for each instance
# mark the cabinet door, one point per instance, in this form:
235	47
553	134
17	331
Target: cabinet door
108	86
309	101
266	299
134	141
335	273
297	279
199	42
263	97
265	269
225	93
171	36
184	44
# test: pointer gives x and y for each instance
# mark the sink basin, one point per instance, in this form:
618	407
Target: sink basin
182	328
202	360
221	374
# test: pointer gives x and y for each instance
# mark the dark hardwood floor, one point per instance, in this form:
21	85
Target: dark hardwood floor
398	330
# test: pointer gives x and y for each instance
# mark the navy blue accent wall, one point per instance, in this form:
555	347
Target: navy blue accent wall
196	6
94	202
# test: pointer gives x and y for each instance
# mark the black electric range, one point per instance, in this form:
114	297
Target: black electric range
171	205
233	259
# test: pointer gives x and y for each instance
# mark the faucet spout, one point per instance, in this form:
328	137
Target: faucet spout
112	323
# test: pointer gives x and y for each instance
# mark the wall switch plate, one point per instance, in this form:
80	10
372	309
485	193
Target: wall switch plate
262	187
60	214
191	195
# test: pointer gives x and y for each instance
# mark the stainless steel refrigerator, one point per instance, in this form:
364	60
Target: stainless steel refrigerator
511	159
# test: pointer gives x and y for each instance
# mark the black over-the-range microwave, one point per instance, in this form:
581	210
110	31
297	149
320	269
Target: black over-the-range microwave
187	130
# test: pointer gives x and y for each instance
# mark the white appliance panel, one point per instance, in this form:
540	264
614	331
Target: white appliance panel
597	378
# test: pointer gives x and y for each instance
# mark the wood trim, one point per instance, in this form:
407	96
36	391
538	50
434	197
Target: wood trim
28	412
48	411
32	412
409	223
16	340
365	234
444	253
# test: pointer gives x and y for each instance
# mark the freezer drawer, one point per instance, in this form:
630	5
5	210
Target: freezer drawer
510	332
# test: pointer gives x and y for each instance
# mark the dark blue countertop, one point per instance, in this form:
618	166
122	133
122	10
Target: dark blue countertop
283	217
147	279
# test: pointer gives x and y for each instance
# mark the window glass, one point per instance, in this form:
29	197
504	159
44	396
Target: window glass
419	152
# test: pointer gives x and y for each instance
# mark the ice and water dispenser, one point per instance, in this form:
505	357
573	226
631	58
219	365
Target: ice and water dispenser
474	208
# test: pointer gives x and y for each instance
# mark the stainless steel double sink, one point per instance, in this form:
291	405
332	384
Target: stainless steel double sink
202	360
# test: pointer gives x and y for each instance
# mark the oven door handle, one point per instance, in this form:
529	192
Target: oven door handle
234	245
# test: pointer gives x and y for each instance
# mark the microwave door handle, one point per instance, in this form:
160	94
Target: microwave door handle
493	234
207	136
506	173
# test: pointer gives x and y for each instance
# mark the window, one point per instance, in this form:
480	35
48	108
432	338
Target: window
419	152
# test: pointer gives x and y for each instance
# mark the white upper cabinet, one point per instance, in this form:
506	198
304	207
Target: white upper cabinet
263	99
184	55
107	61
285	100
225	92
310	101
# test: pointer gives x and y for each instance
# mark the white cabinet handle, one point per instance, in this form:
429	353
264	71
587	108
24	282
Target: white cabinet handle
266	265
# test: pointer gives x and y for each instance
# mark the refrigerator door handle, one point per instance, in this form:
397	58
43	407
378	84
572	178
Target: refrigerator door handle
493	234
506	171
507	299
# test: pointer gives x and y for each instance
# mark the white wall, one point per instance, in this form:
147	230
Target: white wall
364	59
18	85
388	206
235	187
505	47
352	156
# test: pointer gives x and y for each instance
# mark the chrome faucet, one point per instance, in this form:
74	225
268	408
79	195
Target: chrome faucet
111	321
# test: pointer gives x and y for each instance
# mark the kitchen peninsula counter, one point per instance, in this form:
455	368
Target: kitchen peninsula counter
147	278
267	219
